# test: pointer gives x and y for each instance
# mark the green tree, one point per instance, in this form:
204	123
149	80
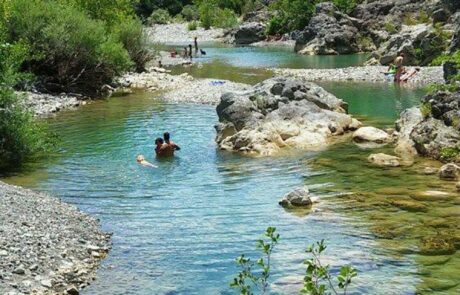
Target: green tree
290	15
21	137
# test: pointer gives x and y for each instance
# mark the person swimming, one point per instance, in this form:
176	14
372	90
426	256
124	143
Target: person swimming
142	161
161	149
171	145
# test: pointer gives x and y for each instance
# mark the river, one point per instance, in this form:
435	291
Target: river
177	229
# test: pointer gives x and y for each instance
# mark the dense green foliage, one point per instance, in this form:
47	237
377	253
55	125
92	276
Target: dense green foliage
76	45
144	8
211	14
190	13
290	15
317	280
21	137
159	16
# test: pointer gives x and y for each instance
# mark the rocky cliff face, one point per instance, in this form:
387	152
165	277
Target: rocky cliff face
422	29
278	113
437	134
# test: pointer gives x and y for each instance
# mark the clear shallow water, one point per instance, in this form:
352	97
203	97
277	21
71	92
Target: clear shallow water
177	229
226	62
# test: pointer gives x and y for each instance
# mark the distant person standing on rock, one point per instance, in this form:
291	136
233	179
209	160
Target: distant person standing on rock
196	44
399	67
185	54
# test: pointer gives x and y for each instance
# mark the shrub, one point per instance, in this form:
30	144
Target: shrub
207	11
69	51
346	6
134	40
144	8
317	280
225	18
390	28
450	154
159	16
190	13
21	137
192	26
289	15
425	109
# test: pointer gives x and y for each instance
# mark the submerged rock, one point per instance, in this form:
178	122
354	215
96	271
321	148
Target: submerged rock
410	206
384	160
371	134
449	171
297	198
437	245
280	112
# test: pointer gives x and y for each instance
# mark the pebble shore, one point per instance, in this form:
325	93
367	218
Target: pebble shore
46	246
179	34
426	76
181	88
44	104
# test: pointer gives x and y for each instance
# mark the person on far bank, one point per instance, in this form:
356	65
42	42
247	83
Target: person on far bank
399	67
196	44
190	51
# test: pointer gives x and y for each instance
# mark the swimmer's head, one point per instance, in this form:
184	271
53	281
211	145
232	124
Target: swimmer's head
140	158
159	141
166	136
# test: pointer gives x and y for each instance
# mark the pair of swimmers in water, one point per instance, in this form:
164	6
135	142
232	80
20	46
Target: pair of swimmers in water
164	147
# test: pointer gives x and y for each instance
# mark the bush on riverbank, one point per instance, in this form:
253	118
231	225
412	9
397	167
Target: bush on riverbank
21	137
76	45
212	15
159	16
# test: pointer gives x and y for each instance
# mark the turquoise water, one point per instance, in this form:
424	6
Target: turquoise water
250	64
177	229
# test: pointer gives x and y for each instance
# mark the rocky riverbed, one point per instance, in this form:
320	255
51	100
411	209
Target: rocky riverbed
46	246
426	76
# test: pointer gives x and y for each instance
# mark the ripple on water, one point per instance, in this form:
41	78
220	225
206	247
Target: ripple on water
178	228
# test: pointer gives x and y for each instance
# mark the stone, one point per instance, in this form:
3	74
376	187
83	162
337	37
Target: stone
329	32
297	198
430	170
458	186
371	134
440	16
381	159
46	283
449	171
410	206
19	270
248	33
437	245
3	253
72	290
277	113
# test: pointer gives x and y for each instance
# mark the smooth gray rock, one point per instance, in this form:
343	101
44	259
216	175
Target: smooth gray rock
371	134
297	198
449	171
248	33
280	112
381	159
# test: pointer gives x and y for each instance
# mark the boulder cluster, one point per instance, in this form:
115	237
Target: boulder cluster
281	112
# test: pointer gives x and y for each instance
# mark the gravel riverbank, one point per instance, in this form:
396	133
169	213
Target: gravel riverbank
427	75
179	34
181	88
46	246
44	104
